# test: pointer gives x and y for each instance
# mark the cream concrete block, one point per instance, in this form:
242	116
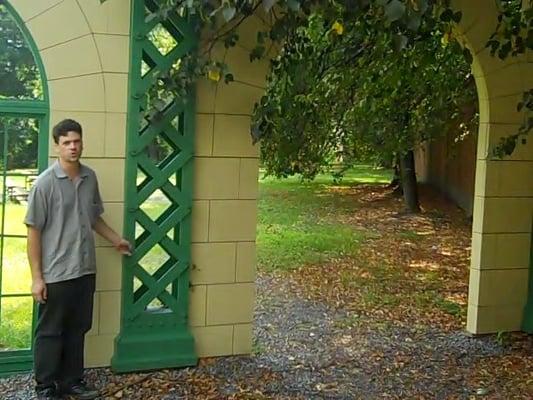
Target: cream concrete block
27	9
510	178
248	30
93	125
502	215
484	111
236	98
116	92
109	312
500	251
204	135
249	178
73	58
242	339
115	135
489	64
206	92
216	178
506	81
527	73
114	216
200	221
82	93
480	18
213	263
111	185
498	287
252	73
246	262
67	20
502	110
230	303
96	315
109	17
232	137
99	350
490	135
212	341
482	320
114	52
480	184
232	220
109	269
197	305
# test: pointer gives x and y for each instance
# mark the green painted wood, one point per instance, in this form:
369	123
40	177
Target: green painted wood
12	362
154	329
527	323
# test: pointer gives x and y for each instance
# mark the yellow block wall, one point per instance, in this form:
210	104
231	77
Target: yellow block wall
503	204
225	206
85	50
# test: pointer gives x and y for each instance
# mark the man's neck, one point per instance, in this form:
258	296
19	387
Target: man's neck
72	169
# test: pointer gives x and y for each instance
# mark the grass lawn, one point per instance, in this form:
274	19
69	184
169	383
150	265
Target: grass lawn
298	221
15	312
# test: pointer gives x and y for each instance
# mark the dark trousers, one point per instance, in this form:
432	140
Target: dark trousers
62	323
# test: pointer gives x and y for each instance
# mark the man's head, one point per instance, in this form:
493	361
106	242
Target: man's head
67	136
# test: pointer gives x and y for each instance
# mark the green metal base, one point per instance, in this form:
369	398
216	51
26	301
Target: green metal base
527	324
166	350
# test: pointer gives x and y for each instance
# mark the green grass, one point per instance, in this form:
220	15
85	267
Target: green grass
15	312
298	221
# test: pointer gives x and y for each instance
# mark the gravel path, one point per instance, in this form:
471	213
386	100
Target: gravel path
305	350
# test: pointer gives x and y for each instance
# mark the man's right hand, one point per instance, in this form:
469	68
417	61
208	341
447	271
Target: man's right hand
38	291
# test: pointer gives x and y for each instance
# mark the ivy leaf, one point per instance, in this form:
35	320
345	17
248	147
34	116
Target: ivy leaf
228	13
394	10
268	4
399	41
468	56
413	22
294	5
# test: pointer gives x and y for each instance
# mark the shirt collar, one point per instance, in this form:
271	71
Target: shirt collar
84	171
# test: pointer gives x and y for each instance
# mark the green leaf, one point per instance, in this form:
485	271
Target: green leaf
468	56
268	4
228	13
294	5
400	41
395	10
413	22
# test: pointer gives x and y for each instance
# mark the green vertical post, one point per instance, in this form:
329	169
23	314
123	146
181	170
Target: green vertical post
527	323
157	337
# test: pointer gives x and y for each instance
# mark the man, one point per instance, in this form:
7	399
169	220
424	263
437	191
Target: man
64	207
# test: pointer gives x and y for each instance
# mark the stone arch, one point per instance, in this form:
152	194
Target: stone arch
503	206
85	51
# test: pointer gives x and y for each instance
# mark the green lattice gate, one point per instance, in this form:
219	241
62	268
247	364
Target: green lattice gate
158	204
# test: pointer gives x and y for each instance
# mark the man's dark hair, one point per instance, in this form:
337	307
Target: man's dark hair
64	127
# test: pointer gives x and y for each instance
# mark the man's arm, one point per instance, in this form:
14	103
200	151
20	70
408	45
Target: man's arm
38	287
104	230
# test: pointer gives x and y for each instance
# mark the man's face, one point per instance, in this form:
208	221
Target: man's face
70	147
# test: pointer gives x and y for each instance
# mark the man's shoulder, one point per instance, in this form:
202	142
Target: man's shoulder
44	179
88	171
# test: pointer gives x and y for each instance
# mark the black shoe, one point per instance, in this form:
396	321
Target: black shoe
47	393
80	390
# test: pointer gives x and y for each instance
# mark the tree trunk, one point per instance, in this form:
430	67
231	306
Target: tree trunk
410	189
396	182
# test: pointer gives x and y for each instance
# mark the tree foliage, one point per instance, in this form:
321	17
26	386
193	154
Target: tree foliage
335	96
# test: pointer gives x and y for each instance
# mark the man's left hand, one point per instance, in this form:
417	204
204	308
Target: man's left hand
123	247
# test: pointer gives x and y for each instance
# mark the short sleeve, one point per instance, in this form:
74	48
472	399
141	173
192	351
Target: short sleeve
37	208
98	205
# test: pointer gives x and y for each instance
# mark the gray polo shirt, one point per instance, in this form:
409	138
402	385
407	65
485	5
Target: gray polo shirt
64	212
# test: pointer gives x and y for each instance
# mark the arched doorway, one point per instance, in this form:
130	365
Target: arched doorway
24	113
